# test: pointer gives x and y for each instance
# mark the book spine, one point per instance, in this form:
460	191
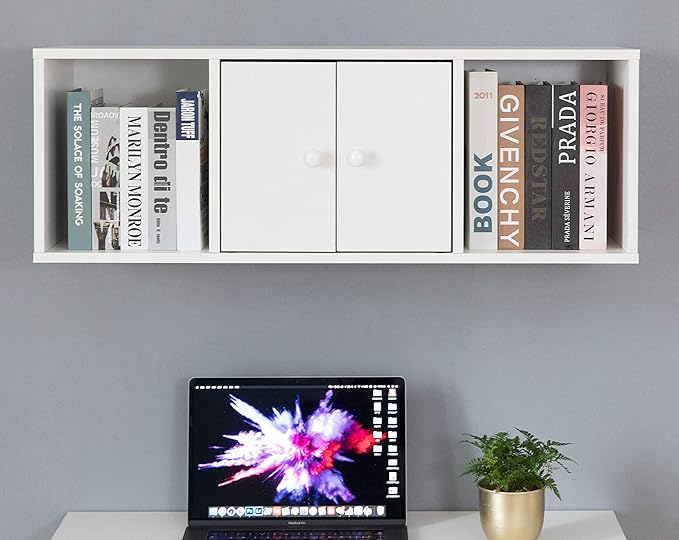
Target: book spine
191	166
162	185
565	167
481	229
593	166
79	176
203	203
105	170
134	172
538	202
511	161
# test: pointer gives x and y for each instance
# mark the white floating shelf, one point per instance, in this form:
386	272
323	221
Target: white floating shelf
152	74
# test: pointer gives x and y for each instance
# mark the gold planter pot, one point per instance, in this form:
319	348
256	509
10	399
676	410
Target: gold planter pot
512	516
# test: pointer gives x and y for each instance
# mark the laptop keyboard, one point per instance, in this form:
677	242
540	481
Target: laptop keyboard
296	535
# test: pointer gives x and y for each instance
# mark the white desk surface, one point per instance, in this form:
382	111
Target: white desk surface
559	525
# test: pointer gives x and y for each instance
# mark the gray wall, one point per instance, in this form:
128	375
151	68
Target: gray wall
94	358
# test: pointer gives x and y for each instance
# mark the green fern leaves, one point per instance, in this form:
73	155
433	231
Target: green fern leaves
521	463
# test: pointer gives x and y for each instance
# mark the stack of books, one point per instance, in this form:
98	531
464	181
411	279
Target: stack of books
137	176
536	157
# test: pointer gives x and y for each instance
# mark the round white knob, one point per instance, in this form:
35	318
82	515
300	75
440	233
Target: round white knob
356	158
313	158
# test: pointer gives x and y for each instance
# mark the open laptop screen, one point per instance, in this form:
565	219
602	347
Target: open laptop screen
291	449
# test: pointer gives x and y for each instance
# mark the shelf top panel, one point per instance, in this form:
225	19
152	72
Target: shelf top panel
335	53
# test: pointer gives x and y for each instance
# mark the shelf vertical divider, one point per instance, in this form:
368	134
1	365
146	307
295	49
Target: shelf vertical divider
458	156
39	151
623	148
630	170
51	80
214	150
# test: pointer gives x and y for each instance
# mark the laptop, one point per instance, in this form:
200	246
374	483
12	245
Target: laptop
297	459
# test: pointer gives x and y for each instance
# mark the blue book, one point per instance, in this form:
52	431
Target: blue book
79	187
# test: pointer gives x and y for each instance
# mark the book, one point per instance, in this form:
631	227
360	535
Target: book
481	155
162	179
511	161
105	171
593	166
192	169
134	173
79	182
538	201
565	167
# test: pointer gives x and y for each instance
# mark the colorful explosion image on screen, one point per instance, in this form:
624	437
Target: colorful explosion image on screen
299	454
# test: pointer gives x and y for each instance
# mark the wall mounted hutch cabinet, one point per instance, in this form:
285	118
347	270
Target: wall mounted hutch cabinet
330	155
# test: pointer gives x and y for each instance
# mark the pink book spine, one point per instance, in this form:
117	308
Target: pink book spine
593	166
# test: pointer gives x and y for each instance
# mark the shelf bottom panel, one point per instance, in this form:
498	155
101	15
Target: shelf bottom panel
613	255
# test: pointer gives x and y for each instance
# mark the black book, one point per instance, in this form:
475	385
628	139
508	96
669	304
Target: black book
538	201
565	167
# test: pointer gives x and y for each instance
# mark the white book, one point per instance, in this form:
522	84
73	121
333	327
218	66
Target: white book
191	166
162	185
134	188
481	175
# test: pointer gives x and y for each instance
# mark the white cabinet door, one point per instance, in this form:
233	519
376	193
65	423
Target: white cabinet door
278	156
394	144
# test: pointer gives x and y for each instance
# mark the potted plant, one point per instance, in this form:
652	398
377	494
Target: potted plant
512	475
